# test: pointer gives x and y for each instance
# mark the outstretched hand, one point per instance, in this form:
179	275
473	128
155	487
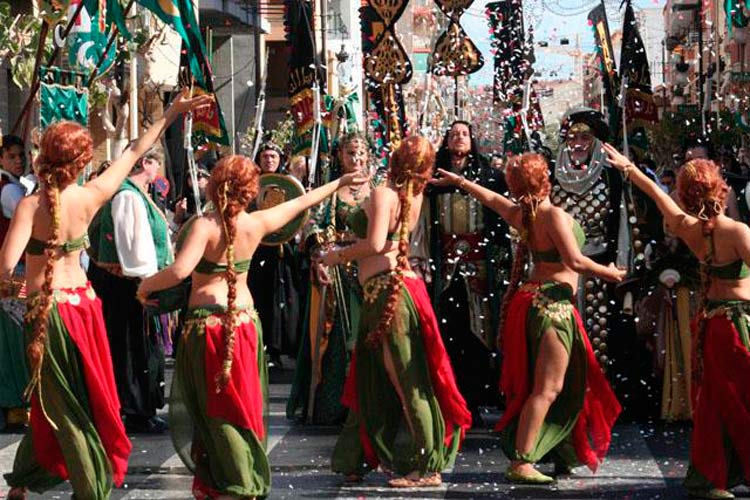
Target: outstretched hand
617	159
183	103
615	274
446	178
353	179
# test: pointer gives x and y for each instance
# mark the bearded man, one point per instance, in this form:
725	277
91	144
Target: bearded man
470	261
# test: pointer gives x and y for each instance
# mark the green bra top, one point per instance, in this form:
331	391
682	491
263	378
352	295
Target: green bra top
37	247
357	221
207	267
736	270
552	255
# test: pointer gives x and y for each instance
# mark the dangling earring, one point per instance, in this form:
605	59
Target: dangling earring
702	212
718	208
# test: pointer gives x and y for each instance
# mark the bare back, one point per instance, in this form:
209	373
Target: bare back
731	242
390	209
211	289
541	240
77	207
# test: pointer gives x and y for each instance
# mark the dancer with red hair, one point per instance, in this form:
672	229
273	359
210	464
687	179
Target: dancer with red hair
405	411
76	432
720	446
558	402
220	384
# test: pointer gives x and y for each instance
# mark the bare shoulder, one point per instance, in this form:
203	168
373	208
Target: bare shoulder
247	221
558	215
29	202
738	228
384	192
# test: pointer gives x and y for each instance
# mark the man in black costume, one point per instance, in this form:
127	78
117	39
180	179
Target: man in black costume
274	277
470	261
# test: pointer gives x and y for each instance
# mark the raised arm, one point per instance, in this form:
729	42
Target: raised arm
16	238
105	185
273	219
186	261
378	216
490	199
675	219
565	243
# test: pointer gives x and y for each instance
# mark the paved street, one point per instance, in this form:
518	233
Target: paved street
646	461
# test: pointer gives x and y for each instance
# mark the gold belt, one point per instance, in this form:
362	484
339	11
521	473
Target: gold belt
551	308
243	317
373	286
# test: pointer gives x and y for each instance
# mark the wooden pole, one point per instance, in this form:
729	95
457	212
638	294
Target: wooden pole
134	132
43	33
110	41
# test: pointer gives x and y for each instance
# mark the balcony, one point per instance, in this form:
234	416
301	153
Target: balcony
231	15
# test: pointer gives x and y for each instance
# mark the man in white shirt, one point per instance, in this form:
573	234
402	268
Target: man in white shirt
130	241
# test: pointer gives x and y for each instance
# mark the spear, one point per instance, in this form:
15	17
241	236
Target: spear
260	110
525	112
317	123
192	168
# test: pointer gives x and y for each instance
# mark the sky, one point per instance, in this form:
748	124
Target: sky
552	21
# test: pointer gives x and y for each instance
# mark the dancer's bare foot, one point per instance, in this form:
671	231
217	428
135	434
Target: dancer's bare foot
17	493
414	480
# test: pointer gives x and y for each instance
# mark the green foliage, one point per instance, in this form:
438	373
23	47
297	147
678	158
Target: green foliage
669	137
19	39
281	135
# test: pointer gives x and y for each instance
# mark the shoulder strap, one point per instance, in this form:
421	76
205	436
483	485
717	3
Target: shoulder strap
709	248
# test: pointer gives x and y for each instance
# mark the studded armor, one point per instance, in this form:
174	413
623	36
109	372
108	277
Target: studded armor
593	199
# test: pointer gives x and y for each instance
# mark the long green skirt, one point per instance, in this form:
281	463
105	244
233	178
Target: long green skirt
554	312
578	425
402	420
226	458
331	322
14	373
76	432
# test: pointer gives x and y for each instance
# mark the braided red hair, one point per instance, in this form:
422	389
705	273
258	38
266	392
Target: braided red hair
528	180
410	168
65	149
233	184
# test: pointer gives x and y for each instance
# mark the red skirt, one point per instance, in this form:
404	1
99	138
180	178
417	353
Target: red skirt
721	394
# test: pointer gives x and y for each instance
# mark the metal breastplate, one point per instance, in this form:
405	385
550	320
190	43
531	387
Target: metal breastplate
459	214
590	210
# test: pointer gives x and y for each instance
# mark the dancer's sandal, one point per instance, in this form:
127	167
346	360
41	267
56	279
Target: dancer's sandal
429	481
535	477
17	493
710	493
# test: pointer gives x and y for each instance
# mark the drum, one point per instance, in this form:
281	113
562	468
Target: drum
274	190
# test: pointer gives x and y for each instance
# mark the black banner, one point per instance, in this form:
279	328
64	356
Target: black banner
639	100
508	43
598	19
386	65
298	22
